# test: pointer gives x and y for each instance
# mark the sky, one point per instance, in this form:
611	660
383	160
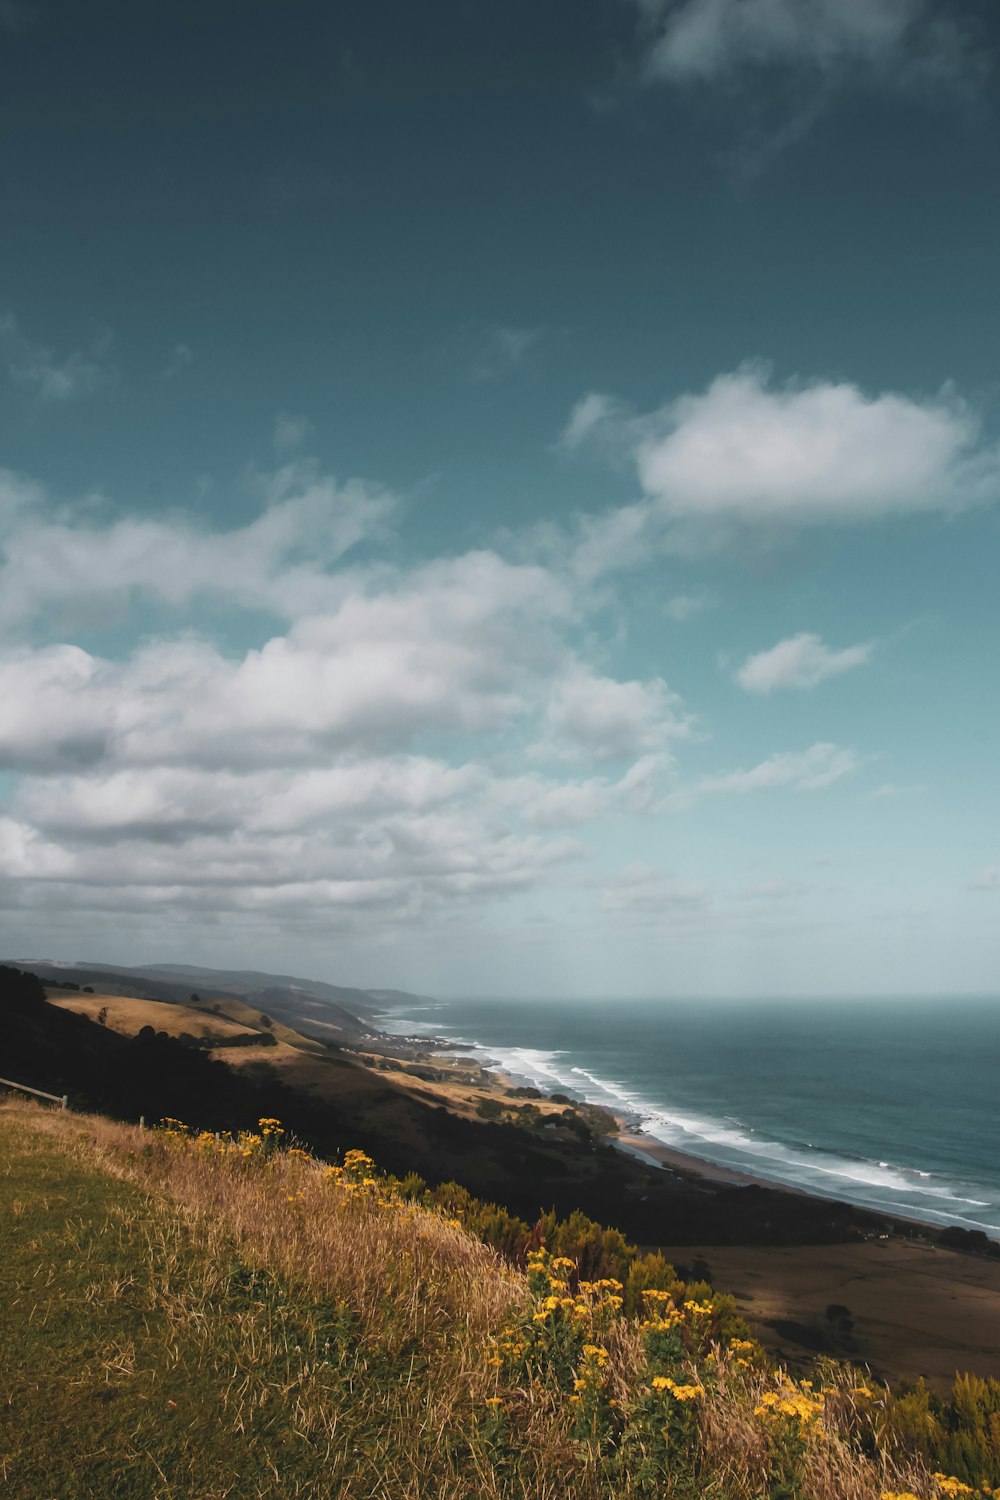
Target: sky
503	499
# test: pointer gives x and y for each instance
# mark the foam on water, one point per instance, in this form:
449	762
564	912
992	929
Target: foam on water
728	1141
717	1142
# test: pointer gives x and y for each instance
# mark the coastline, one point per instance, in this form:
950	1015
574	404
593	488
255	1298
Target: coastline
632	1140
684	1164
868	1188
687	1167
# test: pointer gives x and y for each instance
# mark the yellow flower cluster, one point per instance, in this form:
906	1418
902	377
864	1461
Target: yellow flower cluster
594	1351
743	1353
797	1402
699	1309
358	1178
594	1304
247	1145
678	1391
574	1307
590	1377
509	1349
948	1485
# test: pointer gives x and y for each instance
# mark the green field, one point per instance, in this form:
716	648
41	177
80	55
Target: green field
142	1355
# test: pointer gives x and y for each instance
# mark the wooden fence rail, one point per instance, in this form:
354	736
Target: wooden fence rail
61	1099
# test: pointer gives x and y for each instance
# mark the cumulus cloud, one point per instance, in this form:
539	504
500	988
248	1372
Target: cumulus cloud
51	378
340	770
704	40
351	766
988	879
402	836
456	647
749	454
801	661
747	451
76	560
609	719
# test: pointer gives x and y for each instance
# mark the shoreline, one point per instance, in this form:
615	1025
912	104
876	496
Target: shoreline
632	1140
684	1164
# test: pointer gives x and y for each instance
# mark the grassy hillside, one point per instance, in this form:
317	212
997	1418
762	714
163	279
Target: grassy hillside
194	1316
127	1014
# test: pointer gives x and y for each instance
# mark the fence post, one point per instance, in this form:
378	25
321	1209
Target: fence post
65	1101
142	1122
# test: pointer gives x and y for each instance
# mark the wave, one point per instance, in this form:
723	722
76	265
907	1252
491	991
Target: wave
730	1142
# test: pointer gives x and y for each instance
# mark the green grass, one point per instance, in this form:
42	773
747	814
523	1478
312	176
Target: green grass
134	1364
188	1318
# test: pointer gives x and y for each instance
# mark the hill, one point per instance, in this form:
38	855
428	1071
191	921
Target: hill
189	1315
410	1115
917	1308
327	1012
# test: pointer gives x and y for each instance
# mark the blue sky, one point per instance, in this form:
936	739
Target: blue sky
503	500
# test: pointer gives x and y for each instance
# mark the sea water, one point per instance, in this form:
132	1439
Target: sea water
890	1104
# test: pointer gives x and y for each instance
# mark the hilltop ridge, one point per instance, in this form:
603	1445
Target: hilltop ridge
310	1006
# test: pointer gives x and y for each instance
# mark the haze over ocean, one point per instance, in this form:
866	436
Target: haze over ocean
887	1103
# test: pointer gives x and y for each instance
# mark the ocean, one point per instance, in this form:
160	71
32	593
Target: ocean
890	1104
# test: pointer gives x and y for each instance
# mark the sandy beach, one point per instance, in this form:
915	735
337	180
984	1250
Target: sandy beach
682	1163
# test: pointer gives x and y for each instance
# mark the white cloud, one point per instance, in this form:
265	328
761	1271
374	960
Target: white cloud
700	40
459	647
744	451
800	661
889	791
609	719
71	563
592	415
353	768
988	879
748	455
302	779
811	770
52	379
547	803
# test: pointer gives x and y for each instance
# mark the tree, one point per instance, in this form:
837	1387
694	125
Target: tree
839	1318
19	990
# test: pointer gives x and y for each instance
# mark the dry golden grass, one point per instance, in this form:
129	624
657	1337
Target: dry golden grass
128	1015
351	1350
